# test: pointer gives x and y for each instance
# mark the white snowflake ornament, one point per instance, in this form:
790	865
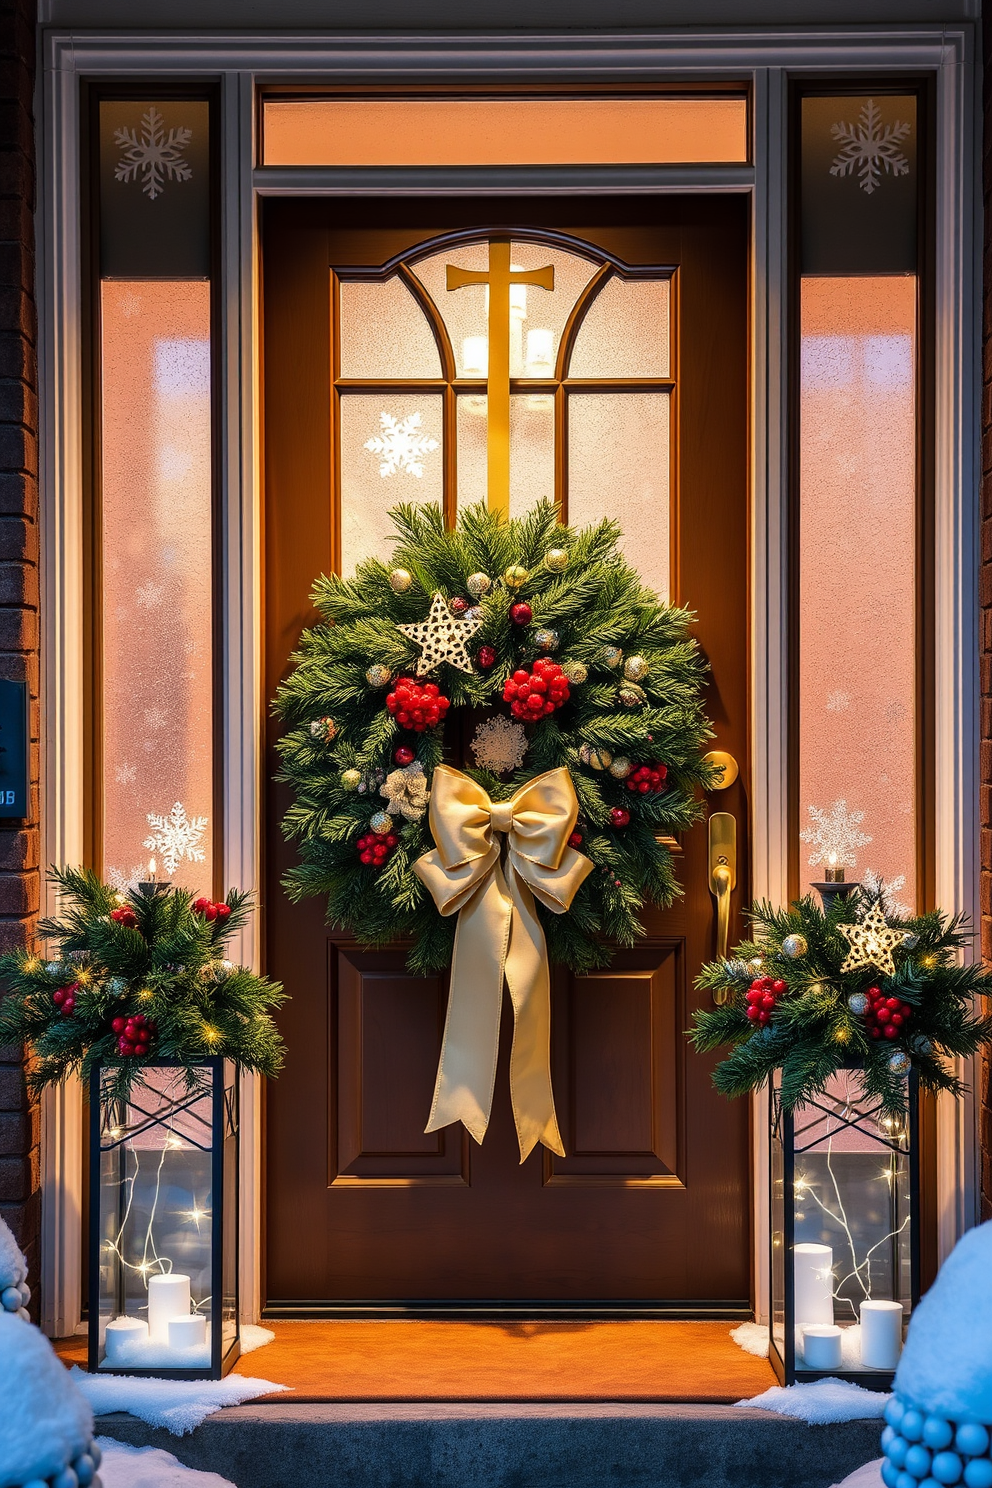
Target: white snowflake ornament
406	791
176	837
834	836
126	883
499	745
154	156
869	148
400	446
442	637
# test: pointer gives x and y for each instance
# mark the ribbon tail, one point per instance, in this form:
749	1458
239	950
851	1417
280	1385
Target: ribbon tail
466	1071
529	981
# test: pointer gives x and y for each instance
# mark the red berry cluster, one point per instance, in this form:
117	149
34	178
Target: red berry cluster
886	1016
536	693
415	707
375	850
64	998
134	1034
648	778
125	916
763	993
211	911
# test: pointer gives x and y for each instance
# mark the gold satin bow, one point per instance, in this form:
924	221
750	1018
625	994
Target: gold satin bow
499	935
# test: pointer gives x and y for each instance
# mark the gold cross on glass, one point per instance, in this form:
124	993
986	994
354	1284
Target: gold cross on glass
499	277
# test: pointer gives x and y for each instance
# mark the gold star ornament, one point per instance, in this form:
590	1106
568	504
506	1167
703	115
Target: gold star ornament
872	943
442	637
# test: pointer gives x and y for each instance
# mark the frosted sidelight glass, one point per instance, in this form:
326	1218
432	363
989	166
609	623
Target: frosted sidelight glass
390	451
384	332
619	463
625	332
857	607
156	572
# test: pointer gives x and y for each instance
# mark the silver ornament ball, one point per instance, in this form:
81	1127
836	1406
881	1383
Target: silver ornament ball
378	675
631	696
794	946
478	584
400	579
575	671
857	1004
621	767
634	668
546	639
900	1063
381	823
556	559
612	656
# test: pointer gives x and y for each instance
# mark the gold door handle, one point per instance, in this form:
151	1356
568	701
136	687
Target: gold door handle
722	878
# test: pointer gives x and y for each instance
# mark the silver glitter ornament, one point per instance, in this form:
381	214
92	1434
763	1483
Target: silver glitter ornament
378	675
556	559
857	1004
575	671
911	942
632	696
381	823
634	668
595	757
400	580
612	656
900	1063
478	584
546	639
621	767
117	987
794	945
54	968
474	612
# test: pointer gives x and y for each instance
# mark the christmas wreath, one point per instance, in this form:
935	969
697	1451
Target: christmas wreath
133	978
539	647
816	990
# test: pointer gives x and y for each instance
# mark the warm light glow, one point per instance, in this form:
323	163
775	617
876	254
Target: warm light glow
32	964
145	995
84	977
210	1034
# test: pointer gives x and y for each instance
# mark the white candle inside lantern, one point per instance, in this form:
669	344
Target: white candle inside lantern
822	1346
881	1334
123	1333
812	1269
188	1332
168	1298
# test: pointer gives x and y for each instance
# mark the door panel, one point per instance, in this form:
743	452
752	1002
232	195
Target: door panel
652	1203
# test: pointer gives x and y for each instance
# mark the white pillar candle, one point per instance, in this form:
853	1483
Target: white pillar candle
124	1331
188	1332
821	1346
168	1297
881	1334
812	1269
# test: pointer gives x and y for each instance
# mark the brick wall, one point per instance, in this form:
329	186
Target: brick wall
20	1202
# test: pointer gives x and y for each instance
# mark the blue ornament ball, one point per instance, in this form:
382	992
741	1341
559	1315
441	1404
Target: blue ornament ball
66	1479
918	1461
888	1437
93	1452
85	1469
911	1425
35	1483
896	1451
978	1472
972	1439
937	1432
947	1467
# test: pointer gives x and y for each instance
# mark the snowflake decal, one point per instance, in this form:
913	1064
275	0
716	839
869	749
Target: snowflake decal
126	883
400	446
877	888
499	745
155	156
869	148
176	837
834	836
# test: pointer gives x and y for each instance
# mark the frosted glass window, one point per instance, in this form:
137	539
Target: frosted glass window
619	465
537	316
156	572
625	331
858	572
384	332
532	450
391	450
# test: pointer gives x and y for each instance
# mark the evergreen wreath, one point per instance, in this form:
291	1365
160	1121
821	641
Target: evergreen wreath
133	980
544	641
792	1005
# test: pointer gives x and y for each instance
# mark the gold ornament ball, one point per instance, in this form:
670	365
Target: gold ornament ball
631	696
634	668
381	823
612	655
515	577
595	756
556	559
378	675
400	579
546	640
794	946
478	584
621	767
351	779
575	671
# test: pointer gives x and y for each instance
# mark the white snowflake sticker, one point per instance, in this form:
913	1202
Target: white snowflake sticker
499	745
154	156
176	837
124	882
834	835
869	148
400	446
878	888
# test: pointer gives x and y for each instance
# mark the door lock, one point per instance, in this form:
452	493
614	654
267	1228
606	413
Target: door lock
722	860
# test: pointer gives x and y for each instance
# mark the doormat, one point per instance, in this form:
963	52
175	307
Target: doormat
635	1360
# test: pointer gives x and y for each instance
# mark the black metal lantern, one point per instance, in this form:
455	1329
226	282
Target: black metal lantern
845	1199
164	1222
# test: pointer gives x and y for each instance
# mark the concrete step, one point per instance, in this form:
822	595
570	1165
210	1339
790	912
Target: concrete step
512	1446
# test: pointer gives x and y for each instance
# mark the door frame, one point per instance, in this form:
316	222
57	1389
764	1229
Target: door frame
765	60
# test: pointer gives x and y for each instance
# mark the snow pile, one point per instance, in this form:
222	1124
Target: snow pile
15	1294
752	1338
178	1405
150	1467
253	1337
946	1366
869	1476
823	1401
45	1423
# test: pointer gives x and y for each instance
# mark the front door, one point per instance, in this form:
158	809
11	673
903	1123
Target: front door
629	399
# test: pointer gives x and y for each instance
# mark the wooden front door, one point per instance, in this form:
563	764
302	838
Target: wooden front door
651	1205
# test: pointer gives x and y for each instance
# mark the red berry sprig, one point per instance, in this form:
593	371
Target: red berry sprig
211	911
648	779
536	693
375	851
886	1017
134	1034
125	916
763	993
64	999
415	707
